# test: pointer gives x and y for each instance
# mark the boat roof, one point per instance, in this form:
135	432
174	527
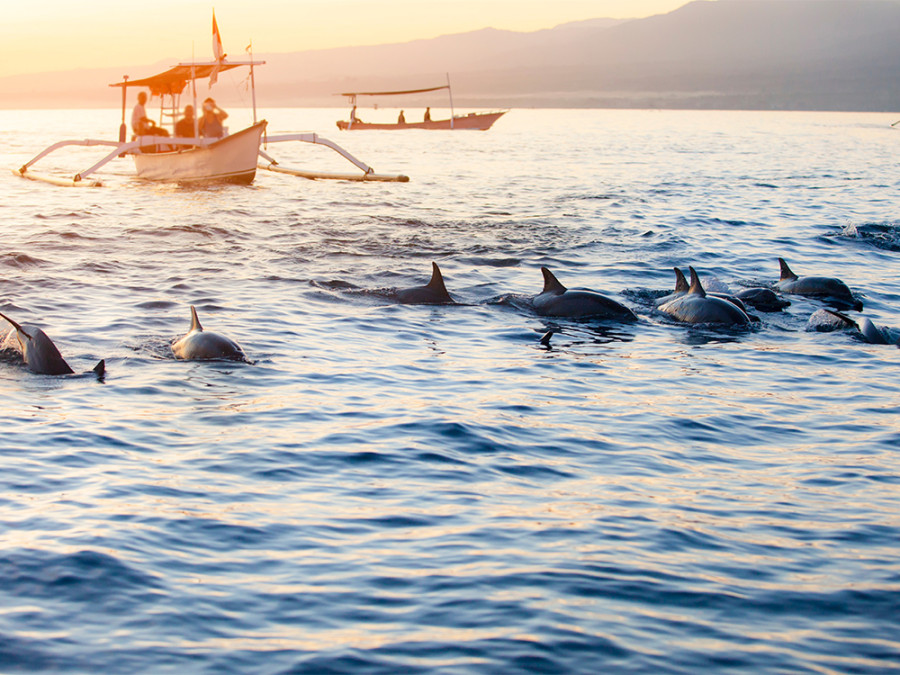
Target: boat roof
394	93
172	81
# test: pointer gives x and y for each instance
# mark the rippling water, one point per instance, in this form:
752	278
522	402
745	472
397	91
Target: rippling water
389	488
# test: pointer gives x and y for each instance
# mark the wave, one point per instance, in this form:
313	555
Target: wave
880	235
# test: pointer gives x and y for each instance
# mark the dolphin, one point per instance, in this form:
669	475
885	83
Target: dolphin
696	306
432	293
557	300
763	299
682	286
828	289
199	344
867	330
41	355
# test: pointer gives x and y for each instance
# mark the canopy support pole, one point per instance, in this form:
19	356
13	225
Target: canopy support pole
252	82
123	128
450	93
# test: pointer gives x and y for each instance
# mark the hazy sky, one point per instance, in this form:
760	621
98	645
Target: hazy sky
44	35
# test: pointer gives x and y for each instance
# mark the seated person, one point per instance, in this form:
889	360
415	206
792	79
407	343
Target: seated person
401	119
184	128
140	123
211	122
427	114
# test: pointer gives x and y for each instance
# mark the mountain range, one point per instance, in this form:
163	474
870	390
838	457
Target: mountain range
728	54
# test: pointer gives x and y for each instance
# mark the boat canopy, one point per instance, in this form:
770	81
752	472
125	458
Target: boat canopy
173	81
395	93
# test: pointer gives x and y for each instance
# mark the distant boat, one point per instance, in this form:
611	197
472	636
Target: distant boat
479	121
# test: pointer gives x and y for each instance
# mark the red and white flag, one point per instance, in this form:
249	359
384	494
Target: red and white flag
218	52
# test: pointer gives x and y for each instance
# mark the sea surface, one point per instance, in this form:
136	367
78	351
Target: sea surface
389	488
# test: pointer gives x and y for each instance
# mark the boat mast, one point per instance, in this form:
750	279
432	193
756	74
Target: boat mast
450	92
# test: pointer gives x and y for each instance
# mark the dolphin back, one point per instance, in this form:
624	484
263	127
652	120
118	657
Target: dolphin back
824	288
38	351
207	346
696	306
202	345
432	293
557	300
41	355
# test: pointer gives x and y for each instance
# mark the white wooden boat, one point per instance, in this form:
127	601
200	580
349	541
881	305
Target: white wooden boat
233	158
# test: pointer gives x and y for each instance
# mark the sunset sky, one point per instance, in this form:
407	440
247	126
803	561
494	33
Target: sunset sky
50	35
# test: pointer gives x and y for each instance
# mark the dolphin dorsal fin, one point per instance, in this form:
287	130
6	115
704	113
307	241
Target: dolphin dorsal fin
195	322
785	270
681	284
696	287
843	317
437	281
551	283
15	325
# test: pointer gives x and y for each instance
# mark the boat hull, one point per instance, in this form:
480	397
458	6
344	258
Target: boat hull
472	121
232	159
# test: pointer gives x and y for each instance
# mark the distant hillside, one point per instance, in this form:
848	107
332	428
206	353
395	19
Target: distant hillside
746	54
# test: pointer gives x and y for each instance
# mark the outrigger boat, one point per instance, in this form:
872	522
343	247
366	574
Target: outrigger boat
480	121
233	158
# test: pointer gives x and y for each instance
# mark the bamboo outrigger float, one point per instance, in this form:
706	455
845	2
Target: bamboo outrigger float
196	159
480	121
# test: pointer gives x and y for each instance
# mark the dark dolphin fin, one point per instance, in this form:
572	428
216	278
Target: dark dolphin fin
195	322
551	283
785	271
100	369
696	287
681	284
545	338
437	283
15	325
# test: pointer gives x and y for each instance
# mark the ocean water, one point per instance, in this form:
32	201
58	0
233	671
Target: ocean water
388	488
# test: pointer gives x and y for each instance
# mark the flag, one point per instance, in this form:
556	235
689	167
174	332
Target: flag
218	52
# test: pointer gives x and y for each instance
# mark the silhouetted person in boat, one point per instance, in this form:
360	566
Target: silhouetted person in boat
184	128
211	122
401	119
427	114
353	118
140	123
